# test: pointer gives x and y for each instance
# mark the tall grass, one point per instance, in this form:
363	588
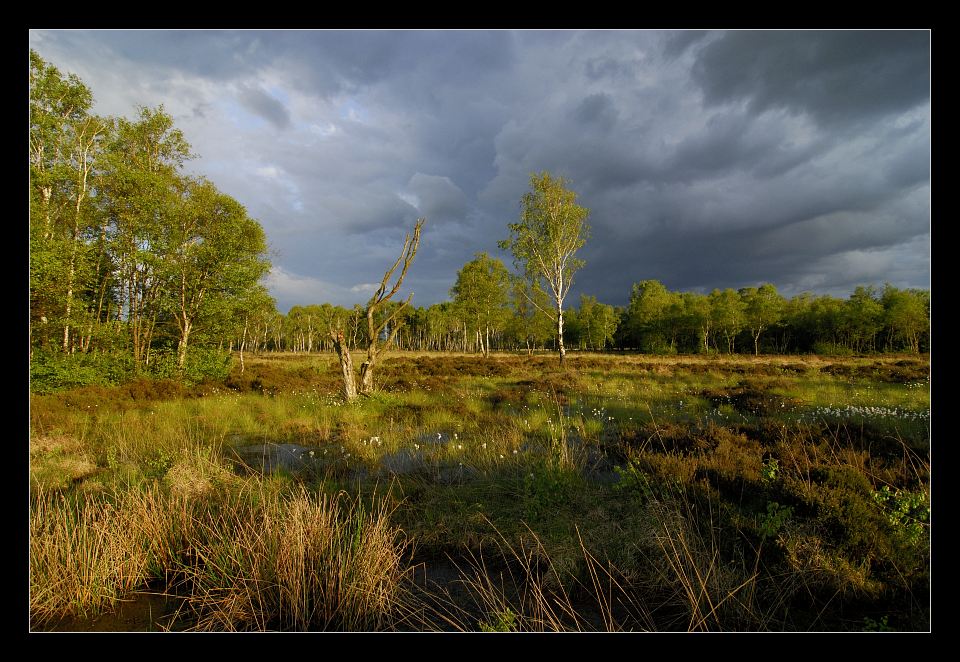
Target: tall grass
297	562
90	550
518	588
253	559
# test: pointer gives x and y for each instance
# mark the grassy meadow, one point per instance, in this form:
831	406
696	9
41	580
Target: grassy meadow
637	493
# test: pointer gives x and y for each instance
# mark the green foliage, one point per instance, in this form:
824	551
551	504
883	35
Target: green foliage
481	293
202	364
207	364
763	307
552	228
596	323
644	485
649	317
632	479
770	470
54	371
159	463
775	518
503	621
831	349
728	315
116	226
545	489
870	625
907	512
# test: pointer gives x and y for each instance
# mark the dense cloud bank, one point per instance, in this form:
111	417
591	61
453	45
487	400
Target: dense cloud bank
708	159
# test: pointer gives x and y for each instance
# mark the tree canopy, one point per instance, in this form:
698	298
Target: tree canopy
481	294
126	251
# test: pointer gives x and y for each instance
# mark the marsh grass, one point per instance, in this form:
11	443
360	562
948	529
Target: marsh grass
299	562
251	559
519	588
738	502
90	550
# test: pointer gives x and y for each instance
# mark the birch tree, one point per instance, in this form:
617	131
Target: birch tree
65	144
552	228
217	252
481	292
763	307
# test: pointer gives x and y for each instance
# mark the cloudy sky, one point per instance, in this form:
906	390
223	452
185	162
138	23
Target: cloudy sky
707	159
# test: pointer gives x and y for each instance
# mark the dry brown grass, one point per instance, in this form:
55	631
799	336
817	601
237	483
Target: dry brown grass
297	562
524	591
88	551
247	560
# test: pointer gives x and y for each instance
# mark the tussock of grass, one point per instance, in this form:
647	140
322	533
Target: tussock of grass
297	562
259	560
88	551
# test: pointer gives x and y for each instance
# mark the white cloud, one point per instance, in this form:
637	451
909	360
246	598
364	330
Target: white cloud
368	288
290	288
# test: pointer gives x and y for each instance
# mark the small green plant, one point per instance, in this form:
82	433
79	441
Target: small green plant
113	459
870	625
159	463
773	521
634	480
504	621
544	490
907	512
770	470
647	486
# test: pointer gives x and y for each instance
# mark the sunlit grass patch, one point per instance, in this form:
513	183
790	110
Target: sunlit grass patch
297	562
57	462
657	468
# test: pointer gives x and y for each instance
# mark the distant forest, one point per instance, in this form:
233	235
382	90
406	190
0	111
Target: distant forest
751	320
133	260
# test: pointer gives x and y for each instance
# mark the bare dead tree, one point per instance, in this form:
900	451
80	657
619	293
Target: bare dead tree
346	364
374	329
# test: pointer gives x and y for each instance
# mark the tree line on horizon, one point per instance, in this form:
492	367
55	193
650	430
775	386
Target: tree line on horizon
496	316
133	259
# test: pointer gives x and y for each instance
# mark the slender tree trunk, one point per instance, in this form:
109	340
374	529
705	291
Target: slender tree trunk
563	352
71	273
243	342
182	345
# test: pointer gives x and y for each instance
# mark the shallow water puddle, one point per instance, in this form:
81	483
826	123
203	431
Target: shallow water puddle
142	612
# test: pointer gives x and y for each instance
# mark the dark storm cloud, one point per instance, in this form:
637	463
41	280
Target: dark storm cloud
264	105
597	110
438	197
833	75
216	54
676	44
332	61
707	159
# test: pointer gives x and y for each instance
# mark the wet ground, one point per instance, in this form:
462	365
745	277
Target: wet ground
142	612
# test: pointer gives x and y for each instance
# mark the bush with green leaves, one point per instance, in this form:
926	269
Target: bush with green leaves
907	512
53	371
